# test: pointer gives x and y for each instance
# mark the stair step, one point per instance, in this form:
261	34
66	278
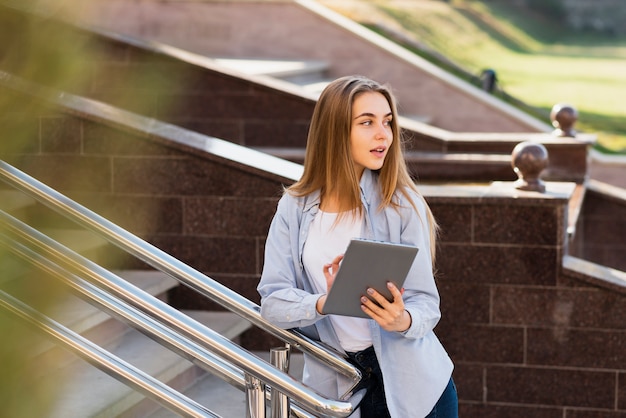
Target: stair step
225	323
11	268
439	166
81	316
13	200
460	167
225	399
106	397
81	241
90	392
294	71
77	314
152	281
316	86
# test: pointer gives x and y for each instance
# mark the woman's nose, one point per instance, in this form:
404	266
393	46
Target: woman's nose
381	132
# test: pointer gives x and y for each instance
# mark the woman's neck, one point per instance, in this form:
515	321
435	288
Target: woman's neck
332	204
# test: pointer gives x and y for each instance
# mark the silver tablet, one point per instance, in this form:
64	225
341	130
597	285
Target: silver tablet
367	263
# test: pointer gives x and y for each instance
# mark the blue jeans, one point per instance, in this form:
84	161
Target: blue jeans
448	404
374	404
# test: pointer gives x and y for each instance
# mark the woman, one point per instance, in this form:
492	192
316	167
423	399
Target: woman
355	184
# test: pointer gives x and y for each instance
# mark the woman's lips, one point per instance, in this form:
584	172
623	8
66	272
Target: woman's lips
379	151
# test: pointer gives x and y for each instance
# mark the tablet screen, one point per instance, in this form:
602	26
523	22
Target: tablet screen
367	263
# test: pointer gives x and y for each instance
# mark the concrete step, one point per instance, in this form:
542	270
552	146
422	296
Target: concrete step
83	390
14	200
458	167
81	241
88	244
223	398
12	268
294	71
69	234
59	304
226	324
435	165
315	87
89	392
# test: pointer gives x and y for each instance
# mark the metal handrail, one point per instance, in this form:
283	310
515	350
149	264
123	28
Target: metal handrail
115	306
166	263
302	395
46	252
105	361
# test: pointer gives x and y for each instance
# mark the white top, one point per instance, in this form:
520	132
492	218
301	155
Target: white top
325	241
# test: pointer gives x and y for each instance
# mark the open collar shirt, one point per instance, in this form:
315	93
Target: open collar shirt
415	366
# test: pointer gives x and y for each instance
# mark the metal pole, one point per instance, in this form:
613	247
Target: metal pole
255	397
279	405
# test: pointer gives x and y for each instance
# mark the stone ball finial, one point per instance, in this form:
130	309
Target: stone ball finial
528	160
564	117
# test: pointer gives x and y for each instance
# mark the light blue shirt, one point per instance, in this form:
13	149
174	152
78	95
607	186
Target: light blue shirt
415	366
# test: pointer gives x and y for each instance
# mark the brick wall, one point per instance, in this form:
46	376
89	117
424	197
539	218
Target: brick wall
210	213
527	338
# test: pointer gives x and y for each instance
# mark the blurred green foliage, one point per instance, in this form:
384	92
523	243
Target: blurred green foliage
29	50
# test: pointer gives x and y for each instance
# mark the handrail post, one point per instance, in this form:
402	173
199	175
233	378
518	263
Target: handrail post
255	397
279	405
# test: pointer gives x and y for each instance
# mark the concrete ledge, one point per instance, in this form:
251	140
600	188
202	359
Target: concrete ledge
609	190
152	128
595	274
497	191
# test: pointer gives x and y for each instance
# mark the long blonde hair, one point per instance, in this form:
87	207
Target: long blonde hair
328	160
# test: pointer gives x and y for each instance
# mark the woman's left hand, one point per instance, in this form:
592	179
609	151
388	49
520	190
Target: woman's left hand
391	316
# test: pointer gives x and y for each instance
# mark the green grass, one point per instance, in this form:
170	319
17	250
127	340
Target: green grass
538	61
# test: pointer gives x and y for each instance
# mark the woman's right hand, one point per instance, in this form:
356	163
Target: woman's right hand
330	272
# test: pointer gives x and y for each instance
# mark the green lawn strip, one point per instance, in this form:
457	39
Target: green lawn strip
538	62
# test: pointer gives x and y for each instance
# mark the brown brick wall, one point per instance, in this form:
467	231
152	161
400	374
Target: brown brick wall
208	214
527	340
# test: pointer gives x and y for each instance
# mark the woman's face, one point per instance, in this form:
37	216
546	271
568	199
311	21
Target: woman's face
370	134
